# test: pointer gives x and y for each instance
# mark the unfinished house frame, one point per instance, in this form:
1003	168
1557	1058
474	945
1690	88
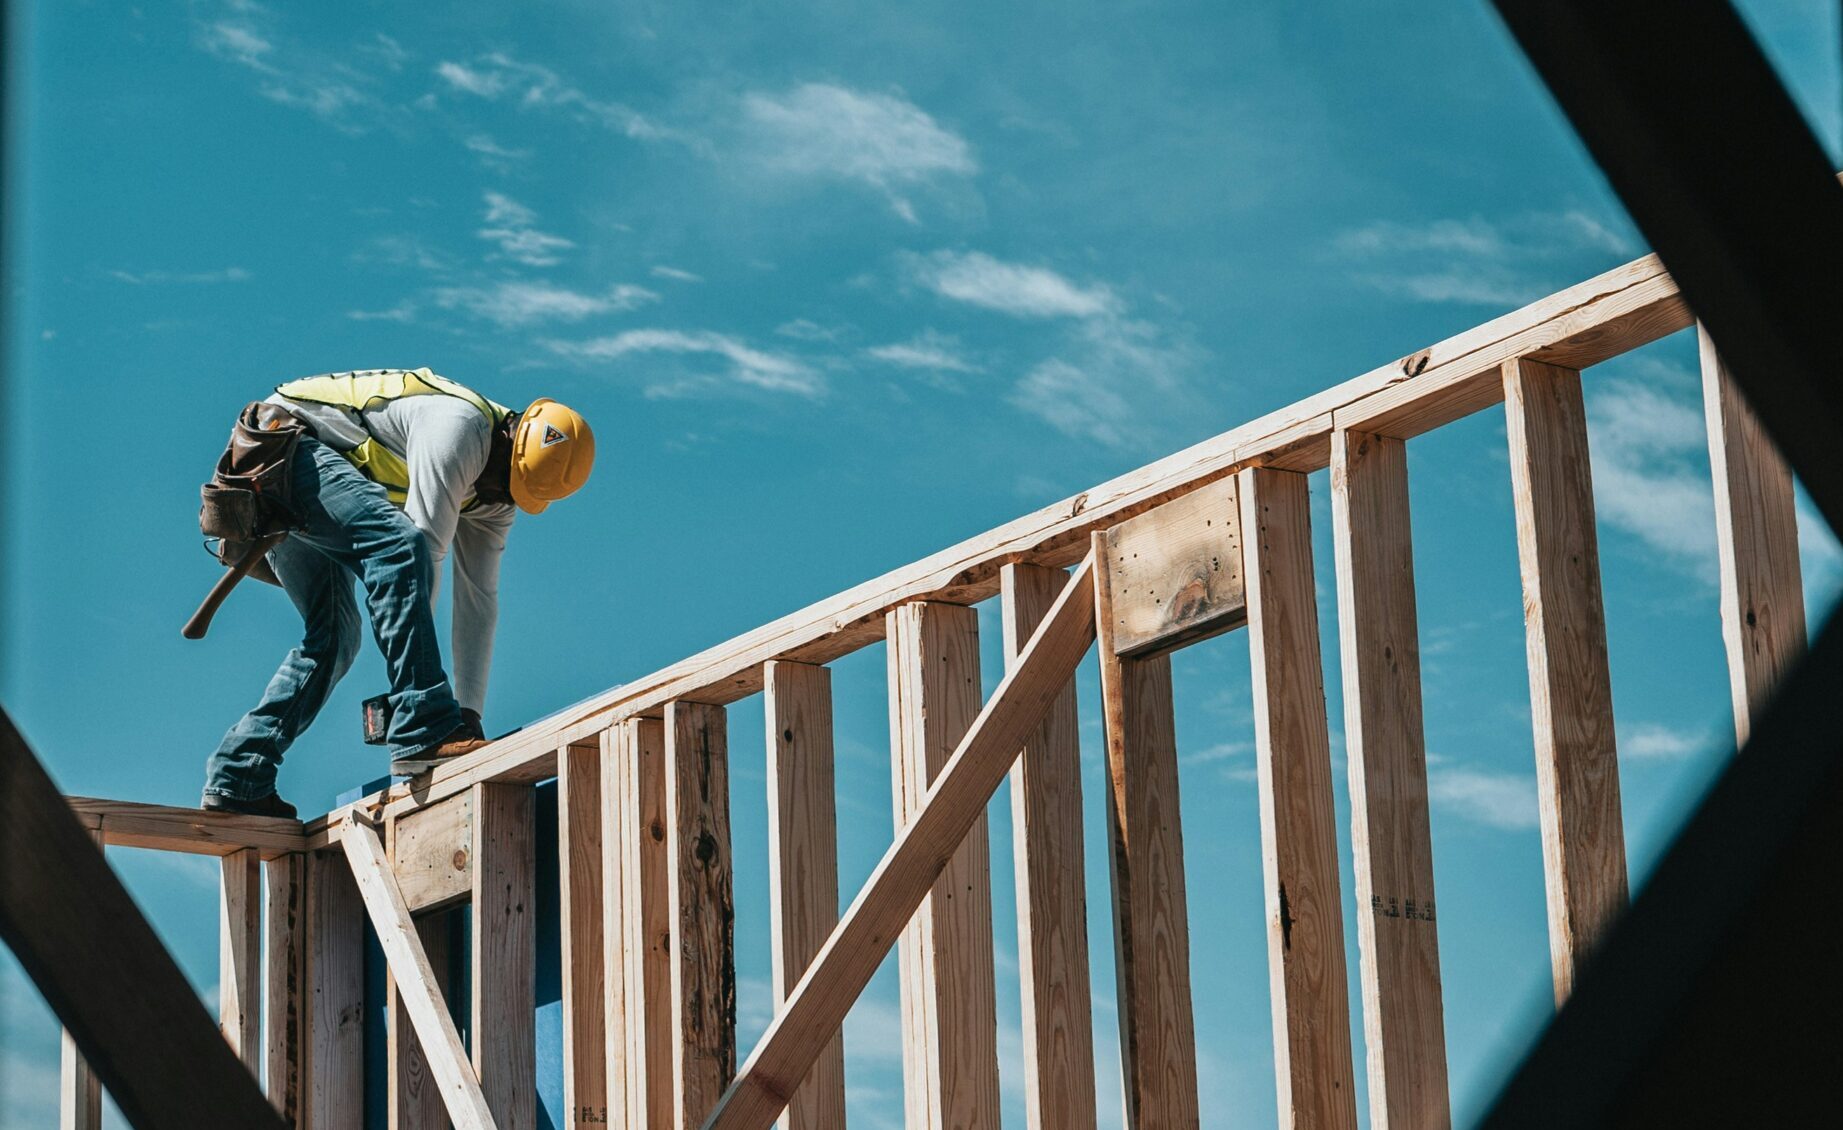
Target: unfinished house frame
1737	1027
1212	539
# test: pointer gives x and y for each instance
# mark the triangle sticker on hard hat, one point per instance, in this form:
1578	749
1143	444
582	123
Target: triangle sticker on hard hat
552	437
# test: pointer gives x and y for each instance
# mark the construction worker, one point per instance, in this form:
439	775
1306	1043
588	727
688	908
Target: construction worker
397	467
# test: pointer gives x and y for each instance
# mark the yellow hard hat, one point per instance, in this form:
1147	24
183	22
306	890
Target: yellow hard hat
552	453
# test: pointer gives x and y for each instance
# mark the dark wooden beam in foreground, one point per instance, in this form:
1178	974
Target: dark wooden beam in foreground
99	964
1714	1000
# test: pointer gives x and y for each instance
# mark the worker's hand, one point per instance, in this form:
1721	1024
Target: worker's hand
470	723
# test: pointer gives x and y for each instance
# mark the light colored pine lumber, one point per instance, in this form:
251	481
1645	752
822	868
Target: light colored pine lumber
432	853
617	843
1589	322
1175	572
413	1098
803	862
1305	923
1610	320
579	854
284	980
1756	537
949	1005
1570	680
817	1006
190	830
1052	900
504	953
1158	1047
79	1090
240	954
640	1028
413	1093
333	1067
414	979
1404	1029
703	909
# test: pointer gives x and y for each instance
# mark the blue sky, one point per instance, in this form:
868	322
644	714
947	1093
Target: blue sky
837	287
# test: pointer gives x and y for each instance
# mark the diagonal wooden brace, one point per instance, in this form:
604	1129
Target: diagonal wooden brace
409	964
818	1005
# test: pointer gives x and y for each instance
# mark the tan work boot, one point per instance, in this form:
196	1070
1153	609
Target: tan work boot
461	741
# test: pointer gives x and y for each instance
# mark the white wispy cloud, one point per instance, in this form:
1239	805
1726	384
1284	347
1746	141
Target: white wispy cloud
158	278
386	51
802	330
1019	289
1473	261
1116	381
493	153
1482	284
523	303
532	86
486	84
928	350
1494	799
404	311
1652	741
1650	466
238	42
880	140
675	274
327	86
873	1031
1113	379
746	365
512	227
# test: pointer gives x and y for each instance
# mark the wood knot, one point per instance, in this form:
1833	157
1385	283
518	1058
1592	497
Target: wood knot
1415	364
1189	600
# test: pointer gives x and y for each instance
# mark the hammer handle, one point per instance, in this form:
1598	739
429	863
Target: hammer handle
200	622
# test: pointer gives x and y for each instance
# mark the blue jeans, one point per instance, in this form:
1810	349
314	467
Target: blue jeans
352	530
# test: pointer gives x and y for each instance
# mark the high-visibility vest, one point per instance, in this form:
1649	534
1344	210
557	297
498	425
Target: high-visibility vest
358	390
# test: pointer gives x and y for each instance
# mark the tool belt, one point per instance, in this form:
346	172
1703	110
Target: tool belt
250	495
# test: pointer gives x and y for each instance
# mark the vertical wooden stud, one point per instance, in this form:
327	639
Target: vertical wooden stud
1756	534
1158	1044
803	861
1404	1029
504	953
579	853
1052	899
79	1090
702	908
1570	683
240	954
334	1065
950	1050
284	973
414	1096
617	832
640	1010
1305	927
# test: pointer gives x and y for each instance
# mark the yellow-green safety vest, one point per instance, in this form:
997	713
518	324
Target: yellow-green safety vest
363	388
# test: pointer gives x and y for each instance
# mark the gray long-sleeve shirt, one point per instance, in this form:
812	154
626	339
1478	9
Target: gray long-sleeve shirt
445	442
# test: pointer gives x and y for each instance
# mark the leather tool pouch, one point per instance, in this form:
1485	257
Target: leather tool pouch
249	496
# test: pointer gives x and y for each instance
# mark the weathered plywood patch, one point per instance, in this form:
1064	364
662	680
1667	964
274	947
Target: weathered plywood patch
1176	573
432	853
